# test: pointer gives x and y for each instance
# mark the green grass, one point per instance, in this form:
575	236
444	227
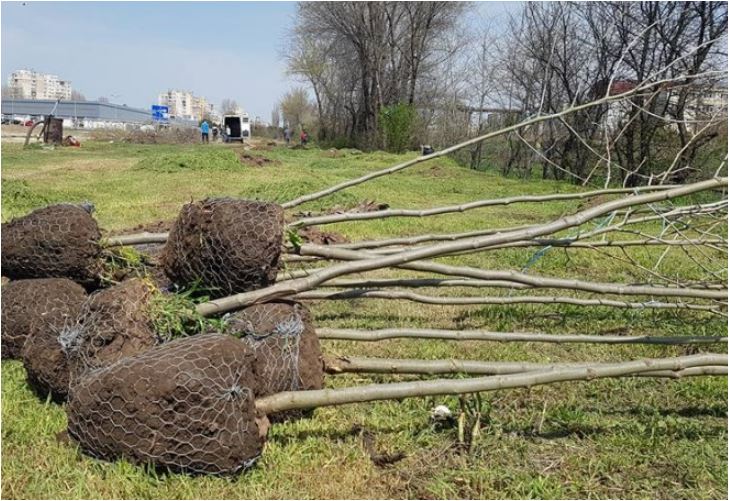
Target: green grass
630	438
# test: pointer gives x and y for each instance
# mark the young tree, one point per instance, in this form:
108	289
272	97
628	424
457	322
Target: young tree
296	109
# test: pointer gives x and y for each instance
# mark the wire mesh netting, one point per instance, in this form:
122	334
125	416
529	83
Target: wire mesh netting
55	241
225	246
186	405
113	323
285	344
31	307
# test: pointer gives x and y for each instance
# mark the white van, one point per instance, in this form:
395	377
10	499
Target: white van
236	127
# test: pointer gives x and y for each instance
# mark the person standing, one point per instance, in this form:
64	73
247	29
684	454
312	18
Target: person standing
287	135
205	130
304	137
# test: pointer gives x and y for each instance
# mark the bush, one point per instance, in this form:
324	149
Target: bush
396	124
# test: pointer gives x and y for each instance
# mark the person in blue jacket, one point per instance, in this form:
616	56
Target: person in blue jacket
205	129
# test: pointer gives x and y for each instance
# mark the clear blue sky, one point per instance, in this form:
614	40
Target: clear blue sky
132	51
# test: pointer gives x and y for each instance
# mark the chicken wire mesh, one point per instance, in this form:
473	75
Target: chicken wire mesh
37	306
285	344
58	241
186	406
225	246
113	323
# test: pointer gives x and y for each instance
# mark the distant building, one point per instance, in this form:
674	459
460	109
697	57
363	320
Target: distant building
703	104
87	114
29	84
185	104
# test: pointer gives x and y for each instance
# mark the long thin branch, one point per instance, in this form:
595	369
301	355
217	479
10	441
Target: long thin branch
507	337
523	278
383	214
301	284
136	239
367	365
680	211
291	400
447	300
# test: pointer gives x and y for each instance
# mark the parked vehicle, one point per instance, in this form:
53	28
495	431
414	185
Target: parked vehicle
236	127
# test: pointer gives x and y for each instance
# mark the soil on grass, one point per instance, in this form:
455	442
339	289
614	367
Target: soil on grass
363	206
313	235
255	160
225	246
185	406
58	241
114	323
37	307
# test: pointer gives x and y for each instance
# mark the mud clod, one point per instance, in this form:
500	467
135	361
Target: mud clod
113	324
39	306
284	342
185	406
225	245
58	241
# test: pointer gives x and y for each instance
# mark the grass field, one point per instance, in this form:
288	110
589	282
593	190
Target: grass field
629	438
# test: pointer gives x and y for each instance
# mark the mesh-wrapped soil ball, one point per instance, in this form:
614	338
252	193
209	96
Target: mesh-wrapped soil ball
283	339
113	323
225	245
56	241
31	307
186	406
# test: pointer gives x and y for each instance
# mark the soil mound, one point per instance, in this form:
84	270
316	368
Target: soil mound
225	245
39	306
281	335
312	234
113	324
58	241
255	161
186	406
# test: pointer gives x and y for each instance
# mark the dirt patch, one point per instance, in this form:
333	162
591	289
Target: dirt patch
186	406
284	342
31	308
313	235
363	206
436	171
225	245
171	135
113	324
59	241
160	226
255	160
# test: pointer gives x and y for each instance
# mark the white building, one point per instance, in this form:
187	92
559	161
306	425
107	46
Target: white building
29	84
185	104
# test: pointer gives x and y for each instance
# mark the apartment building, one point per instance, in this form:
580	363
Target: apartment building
185	104
29	84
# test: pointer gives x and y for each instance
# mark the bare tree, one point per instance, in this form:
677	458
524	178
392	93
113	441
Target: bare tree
359	57
229	106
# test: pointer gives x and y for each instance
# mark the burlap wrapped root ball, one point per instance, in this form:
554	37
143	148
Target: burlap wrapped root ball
58	241
186	406
284	342
30	307
113	323
225	245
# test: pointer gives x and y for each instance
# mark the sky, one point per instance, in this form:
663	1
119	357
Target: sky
129	52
